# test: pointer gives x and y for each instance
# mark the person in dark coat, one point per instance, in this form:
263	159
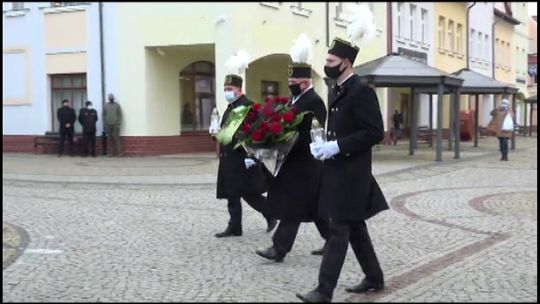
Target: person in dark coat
234	181
67	117
88	118
293	194
349	193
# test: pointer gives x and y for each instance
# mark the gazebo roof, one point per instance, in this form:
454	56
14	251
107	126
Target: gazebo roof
476	83
394	70
531	99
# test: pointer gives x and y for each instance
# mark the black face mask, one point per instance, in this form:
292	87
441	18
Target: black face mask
333	72
295	89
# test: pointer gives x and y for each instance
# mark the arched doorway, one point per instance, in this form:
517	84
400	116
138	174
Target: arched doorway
197	95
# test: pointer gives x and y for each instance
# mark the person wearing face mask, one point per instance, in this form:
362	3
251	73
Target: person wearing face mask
88	118
234	181
66	116
291	197
348	193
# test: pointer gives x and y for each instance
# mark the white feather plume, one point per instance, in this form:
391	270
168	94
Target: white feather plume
238	63
362	28
301	50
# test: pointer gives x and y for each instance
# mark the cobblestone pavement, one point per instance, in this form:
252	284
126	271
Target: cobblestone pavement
141	229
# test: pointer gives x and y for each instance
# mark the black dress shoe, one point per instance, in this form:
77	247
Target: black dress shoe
319	251
228	232
271	254
271	224
364	286
314	297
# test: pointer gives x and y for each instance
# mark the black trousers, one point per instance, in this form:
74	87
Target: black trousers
66	133
341	233
89	139
503	146
283	238
257	202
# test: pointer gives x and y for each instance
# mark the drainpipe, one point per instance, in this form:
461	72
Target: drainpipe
389	27
327	24
389	37
102	59
468	30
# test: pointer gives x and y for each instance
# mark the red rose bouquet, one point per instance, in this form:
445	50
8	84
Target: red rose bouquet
267	131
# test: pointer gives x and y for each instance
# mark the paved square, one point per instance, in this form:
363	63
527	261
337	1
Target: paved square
141	229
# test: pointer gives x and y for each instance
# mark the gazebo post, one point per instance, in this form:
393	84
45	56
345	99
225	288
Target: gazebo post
530	120
450	123
513	146
412	138
525	119
476	124
457	134
430	120
440	110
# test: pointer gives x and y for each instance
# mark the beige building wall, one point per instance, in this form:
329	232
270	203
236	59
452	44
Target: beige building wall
264	31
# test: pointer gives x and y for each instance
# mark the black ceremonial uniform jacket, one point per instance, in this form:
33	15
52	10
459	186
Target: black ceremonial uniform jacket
349	191
293	193
233	179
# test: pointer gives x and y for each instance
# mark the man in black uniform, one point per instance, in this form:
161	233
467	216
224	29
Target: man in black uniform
293	194
66	116
349	193
88	118
234	180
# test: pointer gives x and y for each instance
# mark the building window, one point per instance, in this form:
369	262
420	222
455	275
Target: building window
486	47
60	4
17	6
71	87
508	54
441	32
198	95
451	35
424	25
269	88
411	22
458	38
472	50
497	52
399	19
479	41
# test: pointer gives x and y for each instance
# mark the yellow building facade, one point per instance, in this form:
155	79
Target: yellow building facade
171	56
449	37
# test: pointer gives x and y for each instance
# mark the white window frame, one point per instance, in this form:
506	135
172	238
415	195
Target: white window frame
442	34
451	36
459	34
486	47
412	17
399	19
423	16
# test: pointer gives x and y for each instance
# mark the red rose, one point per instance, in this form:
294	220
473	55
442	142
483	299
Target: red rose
276	117
251	116
284	100
246	127
268	110
268	99
264	127
257	135
288	117
257	107
275	128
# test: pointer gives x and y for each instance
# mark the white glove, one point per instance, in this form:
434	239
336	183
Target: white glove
326	150
249	162
313	147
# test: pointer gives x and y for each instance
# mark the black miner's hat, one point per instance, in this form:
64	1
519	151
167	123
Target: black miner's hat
343	49
299	70
233	80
